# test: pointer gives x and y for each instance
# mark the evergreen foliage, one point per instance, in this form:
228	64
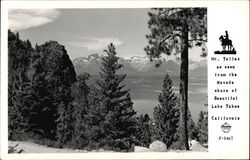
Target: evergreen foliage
94	117
81	107
144	129
169	29
173	31
166	114
203	127
192	131
19	52
42	111
118	125
50	105
59	75
40	100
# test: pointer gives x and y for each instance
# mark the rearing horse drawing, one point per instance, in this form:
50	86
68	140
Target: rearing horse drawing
226	42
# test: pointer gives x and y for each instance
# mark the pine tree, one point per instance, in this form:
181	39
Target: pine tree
51	74
94	118
18	84
118	125
143	130
166	114
59	76
81	108
174	31
42	112
203	127
39	90
29	45
19	112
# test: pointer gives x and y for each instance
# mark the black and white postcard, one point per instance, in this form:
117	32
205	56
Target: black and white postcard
124	79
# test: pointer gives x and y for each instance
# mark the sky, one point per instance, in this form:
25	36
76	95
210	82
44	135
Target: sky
87	31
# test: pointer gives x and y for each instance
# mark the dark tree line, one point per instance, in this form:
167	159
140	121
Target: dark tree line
40	82
50	105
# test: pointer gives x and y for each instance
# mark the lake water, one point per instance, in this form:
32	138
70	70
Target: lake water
145	91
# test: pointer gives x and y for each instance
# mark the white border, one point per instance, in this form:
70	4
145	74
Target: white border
5	5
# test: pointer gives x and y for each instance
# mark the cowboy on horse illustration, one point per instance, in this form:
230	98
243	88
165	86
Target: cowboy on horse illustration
226	42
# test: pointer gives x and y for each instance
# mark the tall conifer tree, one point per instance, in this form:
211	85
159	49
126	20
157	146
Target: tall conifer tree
81	109
174	31
118	126
166	114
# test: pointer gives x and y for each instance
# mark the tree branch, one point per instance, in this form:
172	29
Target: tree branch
173	11
170	36
198	39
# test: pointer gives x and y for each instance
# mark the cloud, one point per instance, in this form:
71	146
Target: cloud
95	43
20	19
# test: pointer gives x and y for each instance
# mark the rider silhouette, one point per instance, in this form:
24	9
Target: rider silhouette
226	36
226	44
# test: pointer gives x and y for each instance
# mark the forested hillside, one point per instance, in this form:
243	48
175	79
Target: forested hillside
48	104
40	82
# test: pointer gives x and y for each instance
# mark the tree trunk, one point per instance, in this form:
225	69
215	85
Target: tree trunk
184	94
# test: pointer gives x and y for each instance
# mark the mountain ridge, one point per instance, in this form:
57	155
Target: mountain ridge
137	65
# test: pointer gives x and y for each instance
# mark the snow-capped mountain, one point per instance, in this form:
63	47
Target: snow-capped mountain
136	66
140	63
90	64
